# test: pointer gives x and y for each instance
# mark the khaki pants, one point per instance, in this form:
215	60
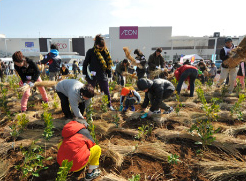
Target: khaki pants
232	77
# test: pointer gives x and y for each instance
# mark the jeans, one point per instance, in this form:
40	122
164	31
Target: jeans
192	74
65	106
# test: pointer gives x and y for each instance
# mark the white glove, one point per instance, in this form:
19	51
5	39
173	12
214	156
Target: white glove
157	67
162	69
137	61
110	79
31	84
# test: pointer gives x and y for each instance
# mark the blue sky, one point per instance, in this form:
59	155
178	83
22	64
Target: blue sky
73	18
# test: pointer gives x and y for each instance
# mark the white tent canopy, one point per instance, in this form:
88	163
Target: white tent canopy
197	57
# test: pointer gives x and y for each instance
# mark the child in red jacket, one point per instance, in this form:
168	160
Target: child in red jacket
78	146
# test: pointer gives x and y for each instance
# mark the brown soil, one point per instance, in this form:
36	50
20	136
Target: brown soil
135	159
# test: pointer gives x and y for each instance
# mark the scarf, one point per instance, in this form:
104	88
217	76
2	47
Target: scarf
106	64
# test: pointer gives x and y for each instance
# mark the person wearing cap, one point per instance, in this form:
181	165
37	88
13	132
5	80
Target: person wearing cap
78	146
131	97
225	70
97	66
140	58
54	61
156	91
29	74
186	72
121	67
74	93
156	60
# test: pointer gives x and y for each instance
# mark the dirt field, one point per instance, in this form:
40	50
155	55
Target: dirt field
124	155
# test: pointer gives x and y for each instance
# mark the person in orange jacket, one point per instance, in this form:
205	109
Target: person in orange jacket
78	146
186	72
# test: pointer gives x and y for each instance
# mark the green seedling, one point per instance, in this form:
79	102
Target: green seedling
205	131
144	131
64	170
104	105
135	178
33	161
45	106
236	108
173	159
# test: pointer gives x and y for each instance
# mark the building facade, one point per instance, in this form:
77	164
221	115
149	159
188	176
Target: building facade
147	39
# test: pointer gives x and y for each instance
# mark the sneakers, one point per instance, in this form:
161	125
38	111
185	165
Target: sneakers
157	112
111	108
94	174
168	111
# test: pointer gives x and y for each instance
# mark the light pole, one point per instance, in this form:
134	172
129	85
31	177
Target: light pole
215	47
5	40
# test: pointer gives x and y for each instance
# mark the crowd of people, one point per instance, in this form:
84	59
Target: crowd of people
77	144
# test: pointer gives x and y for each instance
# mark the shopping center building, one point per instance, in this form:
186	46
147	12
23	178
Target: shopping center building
147	39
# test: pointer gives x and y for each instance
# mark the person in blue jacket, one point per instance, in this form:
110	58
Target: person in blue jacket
54	61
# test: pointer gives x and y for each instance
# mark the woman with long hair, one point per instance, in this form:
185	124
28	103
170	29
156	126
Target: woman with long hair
97	66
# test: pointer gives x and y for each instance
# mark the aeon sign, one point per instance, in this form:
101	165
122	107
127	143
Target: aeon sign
128	32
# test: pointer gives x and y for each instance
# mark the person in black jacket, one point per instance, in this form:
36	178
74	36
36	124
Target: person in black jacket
156	91
64	70
140	59
97	66
155	61
54	61
29	74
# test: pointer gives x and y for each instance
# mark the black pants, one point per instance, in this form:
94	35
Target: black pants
65	106
120	80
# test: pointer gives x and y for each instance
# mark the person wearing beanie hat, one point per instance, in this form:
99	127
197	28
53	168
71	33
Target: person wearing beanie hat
186	72
225	70
78	146
54	61
131	97
155	92
29	74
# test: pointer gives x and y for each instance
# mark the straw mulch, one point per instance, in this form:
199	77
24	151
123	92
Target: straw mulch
224	170
128	56
130	75
157	72
39	84
237	55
